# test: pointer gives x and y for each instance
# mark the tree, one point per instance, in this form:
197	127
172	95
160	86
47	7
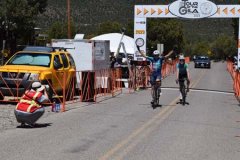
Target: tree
235	23
58	30
224	46
201	48
109	27
18	19
166	31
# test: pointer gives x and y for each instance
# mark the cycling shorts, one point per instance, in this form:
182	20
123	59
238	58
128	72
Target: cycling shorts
155	76
183	77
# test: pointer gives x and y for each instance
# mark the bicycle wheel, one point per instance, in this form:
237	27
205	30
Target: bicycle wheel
184	94
154	96
183	91
158	94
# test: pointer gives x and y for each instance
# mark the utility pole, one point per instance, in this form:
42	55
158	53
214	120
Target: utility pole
69	19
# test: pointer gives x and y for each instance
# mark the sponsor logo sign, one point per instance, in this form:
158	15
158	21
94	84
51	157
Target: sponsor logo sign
193	8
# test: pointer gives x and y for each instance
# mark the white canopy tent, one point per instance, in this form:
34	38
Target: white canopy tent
114	39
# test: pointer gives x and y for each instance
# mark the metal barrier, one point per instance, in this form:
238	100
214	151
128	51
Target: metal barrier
70	87
236	79
76	86
141	74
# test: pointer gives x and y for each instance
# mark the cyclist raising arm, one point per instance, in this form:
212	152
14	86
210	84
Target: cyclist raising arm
156	61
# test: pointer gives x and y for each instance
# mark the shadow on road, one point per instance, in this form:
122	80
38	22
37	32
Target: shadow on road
8	102
157	106
37	125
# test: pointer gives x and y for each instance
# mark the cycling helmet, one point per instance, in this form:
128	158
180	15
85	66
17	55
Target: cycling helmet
156	52
181	57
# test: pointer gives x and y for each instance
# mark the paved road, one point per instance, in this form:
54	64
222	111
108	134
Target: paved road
126	127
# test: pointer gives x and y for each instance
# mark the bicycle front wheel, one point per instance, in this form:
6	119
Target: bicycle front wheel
156	96
183	91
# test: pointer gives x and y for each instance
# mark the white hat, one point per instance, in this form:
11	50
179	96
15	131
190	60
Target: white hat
156	52
37	86
124	60
181	57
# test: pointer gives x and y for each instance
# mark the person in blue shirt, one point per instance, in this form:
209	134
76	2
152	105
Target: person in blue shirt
157	62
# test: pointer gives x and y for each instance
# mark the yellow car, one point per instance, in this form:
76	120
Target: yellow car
53	67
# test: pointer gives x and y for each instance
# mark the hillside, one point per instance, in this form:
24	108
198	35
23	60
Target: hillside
88	14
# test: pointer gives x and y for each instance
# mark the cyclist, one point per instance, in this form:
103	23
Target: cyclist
157	62
182	74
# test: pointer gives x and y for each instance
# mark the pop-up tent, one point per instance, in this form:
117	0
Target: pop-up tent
114	39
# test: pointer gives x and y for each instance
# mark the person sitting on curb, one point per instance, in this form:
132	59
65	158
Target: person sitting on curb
30	109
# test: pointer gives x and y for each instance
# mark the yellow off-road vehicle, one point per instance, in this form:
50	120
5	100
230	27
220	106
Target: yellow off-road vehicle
53	67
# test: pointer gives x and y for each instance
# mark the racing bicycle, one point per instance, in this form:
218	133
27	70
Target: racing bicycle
183	91
156	92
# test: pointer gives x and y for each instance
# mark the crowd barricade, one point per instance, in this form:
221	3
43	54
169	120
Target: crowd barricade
187	59
236	78
75	86
139	77
72	86
103	82
60	85
230	68
141	74
116	76
11	84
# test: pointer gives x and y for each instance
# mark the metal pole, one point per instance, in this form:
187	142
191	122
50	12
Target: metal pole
119	45
69	19
238	44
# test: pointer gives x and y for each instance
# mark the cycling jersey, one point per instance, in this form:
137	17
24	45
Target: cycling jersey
156	64
156	68
182	70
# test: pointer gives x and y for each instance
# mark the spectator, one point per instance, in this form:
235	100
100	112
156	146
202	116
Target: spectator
30	108
112	60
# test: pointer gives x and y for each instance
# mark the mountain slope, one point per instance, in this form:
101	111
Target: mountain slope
88	14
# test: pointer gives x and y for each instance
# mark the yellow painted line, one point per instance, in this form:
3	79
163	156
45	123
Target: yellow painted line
164	112
197	81
135	133
157	122
147	131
